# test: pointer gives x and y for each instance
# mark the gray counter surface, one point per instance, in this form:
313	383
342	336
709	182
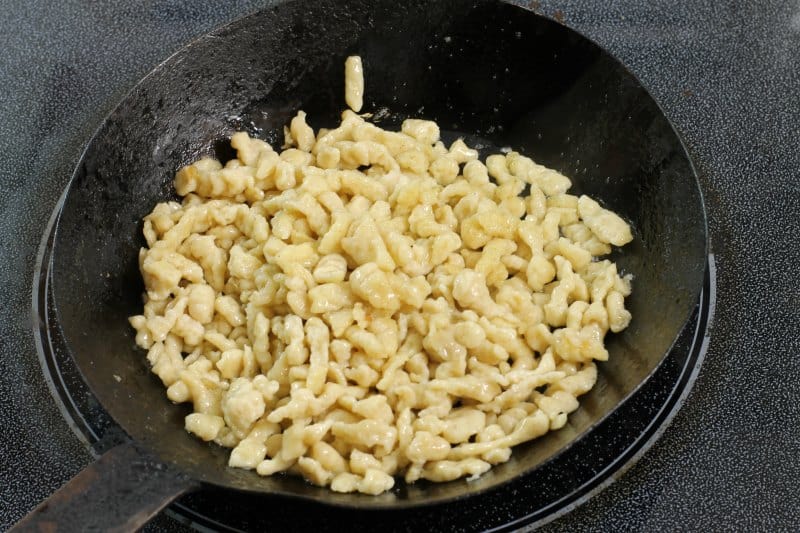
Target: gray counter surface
728	76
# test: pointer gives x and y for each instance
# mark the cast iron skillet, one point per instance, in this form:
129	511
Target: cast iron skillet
497	73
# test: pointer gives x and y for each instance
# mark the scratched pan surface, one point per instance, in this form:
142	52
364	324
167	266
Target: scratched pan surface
495	73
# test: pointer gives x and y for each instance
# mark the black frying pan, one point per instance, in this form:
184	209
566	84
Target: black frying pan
493	72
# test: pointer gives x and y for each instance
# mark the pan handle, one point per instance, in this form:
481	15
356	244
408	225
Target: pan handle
120	491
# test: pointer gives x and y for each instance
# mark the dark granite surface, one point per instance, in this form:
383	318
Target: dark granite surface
727	74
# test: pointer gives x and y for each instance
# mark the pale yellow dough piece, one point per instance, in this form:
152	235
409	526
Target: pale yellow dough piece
354	83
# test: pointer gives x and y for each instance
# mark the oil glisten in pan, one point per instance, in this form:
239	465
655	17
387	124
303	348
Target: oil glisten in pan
488	70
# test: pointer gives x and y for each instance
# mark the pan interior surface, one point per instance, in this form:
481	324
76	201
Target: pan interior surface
487	70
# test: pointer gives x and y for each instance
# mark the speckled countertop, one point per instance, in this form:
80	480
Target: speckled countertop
728	76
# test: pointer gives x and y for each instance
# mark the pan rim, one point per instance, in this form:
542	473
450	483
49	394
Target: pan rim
368	501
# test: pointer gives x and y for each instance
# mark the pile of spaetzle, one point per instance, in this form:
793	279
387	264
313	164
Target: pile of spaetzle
368	304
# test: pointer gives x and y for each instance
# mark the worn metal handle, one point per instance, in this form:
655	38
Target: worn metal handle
120	491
